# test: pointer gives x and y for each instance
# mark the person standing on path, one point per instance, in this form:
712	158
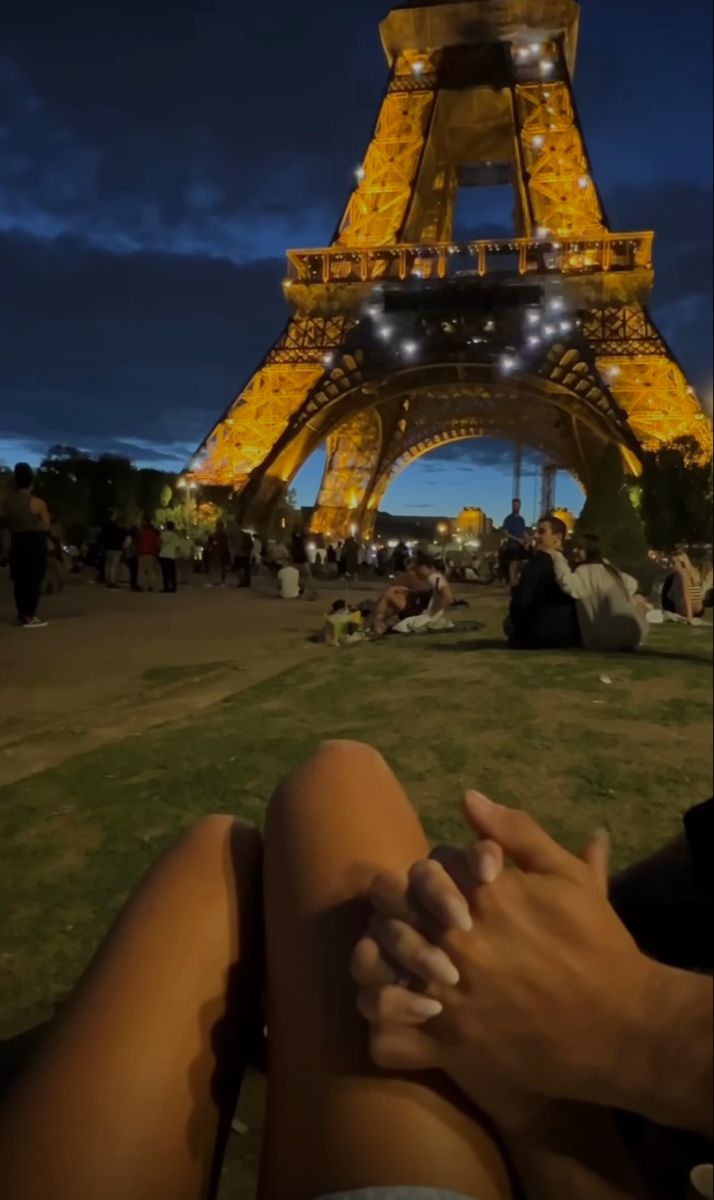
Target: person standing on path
111	539
131	557
515	550
29	524
147	549
219	553
169	549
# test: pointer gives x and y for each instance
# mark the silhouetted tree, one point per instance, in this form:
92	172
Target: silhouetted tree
677	496
609	512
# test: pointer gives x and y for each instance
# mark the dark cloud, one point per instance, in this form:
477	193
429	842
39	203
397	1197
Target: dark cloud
149	346
484	452
680	212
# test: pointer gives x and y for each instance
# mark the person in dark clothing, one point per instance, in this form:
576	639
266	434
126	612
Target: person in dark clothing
298	549
244	559
131	558
541	616
29	523
111	540
515	547
400	558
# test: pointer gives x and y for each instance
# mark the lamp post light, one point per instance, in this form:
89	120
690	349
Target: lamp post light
187	486
443	529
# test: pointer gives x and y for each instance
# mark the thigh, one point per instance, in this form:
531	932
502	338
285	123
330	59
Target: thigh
131	1097
333	1121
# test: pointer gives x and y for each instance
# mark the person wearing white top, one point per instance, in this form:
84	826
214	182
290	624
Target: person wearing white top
611	616
289	582
169	549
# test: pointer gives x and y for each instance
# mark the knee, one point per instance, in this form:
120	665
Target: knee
324	777
342	754
214	834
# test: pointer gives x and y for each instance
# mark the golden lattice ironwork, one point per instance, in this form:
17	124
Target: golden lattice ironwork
476	92
563	200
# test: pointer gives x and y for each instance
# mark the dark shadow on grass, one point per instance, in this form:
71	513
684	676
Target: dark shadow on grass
500	644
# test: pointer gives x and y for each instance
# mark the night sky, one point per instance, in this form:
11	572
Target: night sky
158	158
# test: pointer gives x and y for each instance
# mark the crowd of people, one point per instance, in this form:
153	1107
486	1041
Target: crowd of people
563	593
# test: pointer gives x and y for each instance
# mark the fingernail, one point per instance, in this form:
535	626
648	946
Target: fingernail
458	913
487	868
479	802
439	967
423	1006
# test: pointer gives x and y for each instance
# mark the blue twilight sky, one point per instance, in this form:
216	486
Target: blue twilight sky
155	167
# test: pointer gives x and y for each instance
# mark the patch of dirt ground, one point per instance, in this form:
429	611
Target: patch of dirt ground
115	663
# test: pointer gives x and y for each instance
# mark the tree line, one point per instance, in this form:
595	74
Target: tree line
80	491
670	503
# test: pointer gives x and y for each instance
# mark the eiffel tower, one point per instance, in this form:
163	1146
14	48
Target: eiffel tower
401	340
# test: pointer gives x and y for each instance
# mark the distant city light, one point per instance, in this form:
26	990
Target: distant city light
508	362
533	317
409	348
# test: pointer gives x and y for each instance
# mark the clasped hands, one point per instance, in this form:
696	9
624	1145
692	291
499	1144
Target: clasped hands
519	984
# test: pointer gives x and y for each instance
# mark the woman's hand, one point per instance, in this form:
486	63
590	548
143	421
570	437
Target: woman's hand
533	1001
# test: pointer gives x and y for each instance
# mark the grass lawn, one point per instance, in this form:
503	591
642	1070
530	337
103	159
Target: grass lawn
448	711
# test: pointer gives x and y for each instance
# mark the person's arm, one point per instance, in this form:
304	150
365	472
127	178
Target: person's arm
446	596
664	1072
39	508
574	1150
685	584
574	583
524	592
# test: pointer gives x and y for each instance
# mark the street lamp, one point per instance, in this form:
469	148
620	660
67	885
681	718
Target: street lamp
443	529
187	486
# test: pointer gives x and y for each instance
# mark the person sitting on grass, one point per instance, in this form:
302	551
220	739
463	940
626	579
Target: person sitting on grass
612	617
541	616
687	592
289	584
490	1058
421	590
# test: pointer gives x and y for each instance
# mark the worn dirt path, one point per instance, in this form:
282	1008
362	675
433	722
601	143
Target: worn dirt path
112	663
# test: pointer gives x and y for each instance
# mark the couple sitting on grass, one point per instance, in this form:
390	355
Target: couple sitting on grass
416	601
554	607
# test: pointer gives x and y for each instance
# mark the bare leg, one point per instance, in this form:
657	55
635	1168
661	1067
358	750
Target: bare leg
131	1097
391	603
333	1121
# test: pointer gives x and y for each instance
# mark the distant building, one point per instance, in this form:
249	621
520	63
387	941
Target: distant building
389	527
566	517
473	523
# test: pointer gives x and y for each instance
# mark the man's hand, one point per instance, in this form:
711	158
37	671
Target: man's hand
550	983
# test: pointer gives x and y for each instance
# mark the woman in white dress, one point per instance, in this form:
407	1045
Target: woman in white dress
611	615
